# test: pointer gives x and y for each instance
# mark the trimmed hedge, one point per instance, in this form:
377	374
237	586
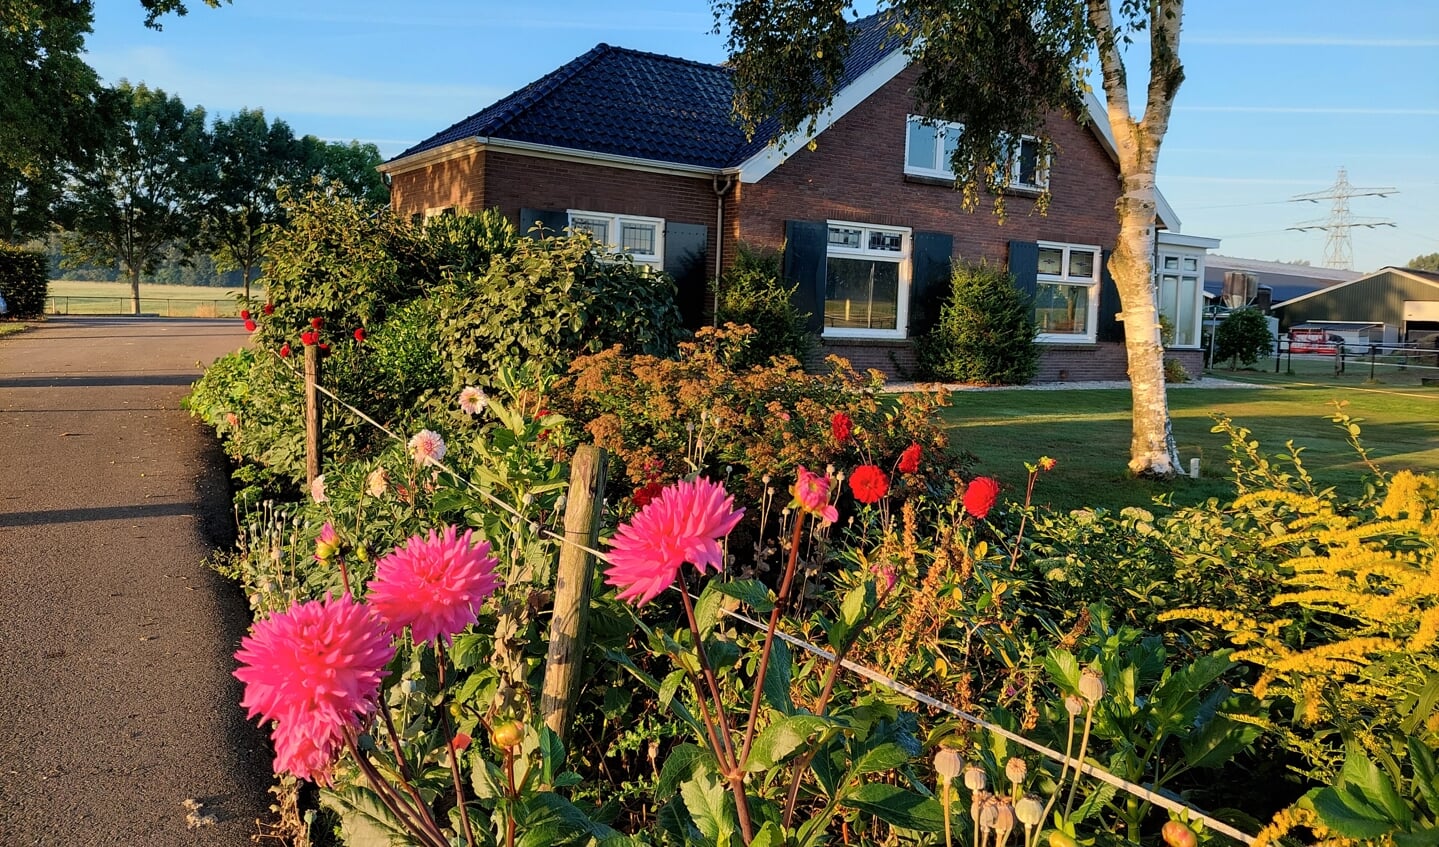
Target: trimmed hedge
24	281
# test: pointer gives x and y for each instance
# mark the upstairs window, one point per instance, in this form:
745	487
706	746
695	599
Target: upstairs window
866	281
1026	168
641	238
929	147
1066	299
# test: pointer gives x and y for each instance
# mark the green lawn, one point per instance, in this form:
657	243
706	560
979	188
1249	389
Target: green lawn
113	298
10	328
1087	431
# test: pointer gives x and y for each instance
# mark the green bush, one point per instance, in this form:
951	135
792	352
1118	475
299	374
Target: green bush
985	334
1243	336
23	281
752	294
547	301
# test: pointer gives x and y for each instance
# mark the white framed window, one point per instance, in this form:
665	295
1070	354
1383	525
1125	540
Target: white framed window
867	272
439	212
1179	275
929	146
1027	170
1066	297
641	238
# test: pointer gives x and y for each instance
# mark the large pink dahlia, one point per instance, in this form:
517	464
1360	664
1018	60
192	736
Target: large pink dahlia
314	670
683	524
435	584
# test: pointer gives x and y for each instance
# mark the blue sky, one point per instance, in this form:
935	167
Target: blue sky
1278	94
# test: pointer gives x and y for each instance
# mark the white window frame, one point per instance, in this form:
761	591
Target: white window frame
440	212
940	167
900	257
614	224
1041	167
1180	255
1091	322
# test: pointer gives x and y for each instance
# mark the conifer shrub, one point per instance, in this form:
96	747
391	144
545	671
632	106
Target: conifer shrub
985	333
751	293
24	282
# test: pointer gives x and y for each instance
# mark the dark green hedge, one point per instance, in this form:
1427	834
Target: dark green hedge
23	281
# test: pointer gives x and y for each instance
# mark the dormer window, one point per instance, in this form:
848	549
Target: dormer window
929	147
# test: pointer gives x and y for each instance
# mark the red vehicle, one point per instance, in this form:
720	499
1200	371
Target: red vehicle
1310	340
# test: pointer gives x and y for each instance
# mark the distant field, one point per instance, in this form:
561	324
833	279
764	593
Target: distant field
71	297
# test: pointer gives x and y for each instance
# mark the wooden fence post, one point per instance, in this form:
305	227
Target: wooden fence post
313	418
572	589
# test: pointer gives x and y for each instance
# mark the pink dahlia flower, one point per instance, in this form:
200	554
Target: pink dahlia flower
811	493
472	400
426	447
434	584
315	670
328	544
683	524
317	489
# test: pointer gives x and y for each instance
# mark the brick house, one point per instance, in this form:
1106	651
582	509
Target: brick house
641	150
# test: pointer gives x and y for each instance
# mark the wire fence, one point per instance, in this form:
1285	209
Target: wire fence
1165	801
1409	363
169	307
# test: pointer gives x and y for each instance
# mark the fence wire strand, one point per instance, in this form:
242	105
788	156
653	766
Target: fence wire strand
868	673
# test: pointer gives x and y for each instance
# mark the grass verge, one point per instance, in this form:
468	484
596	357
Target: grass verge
1087	431
9	328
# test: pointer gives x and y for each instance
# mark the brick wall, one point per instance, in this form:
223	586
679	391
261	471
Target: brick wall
895	359
458	182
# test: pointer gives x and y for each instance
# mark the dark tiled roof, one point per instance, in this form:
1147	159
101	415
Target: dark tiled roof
623	102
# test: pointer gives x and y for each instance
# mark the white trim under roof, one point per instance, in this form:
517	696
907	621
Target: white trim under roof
758	166
455	149
1332	288
1166	238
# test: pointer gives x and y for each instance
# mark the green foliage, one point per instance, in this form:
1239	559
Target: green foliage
1175	372
546	300
1243	336
1424	262
751	293
462	246
23	281
985	333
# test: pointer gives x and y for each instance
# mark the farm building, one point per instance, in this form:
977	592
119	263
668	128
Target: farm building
1399	304
1285	280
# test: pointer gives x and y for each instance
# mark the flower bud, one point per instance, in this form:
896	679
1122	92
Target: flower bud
947	764
1015	769
1176	834
1029	810
507	734
974	778
1091	687
1073	705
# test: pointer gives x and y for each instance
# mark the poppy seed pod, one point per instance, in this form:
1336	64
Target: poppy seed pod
989	815
1029	810
1015	769
947	764
974	778
976	806
1003	821
1073	705
1091	687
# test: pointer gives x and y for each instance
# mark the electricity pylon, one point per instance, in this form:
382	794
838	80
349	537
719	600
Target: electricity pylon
1338	251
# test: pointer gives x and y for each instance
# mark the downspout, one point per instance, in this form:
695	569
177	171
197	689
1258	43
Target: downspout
722	185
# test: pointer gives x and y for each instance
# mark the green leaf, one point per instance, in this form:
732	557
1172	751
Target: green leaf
1063	668
777	680
751	592
1361	775
898	806
708	608
705	798
854	605
670	687
883	757
777	742
1329	804
683	762
1218	742
364	820
769	835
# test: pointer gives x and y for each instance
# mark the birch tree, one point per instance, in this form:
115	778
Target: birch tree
999	68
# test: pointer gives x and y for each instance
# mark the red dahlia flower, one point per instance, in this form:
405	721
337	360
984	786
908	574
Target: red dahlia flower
360	334
316	323
909	459
868	483
979	496
841	427
268	308
251	326
244	314
285	350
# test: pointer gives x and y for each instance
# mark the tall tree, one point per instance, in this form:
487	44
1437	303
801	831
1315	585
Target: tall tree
351	166
144	188
253	159
999	68
48	109
1425	262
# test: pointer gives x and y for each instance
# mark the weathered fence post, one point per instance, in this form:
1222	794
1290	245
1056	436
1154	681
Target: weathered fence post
572	589
313	418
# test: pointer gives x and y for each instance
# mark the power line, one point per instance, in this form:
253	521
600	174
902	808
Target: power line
1339	250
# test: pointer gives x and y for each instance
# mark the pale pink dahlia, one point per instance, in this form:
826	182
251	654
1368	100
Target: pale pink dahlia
377	481
426	447
434	584
472	400
317	489
683	524
811	493
315	670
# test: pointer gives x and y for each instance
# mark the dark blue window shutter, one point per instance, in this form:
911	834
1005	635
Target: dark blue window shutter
1024	264
553	220
686	252
1109	327
929	279
805	246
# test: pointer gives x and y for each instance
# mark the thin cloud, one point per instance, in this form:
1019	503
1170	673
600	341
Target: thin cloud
1307	41
1311	110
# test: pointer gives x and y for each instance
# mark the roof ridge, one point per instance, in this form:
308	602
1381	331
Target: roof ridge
711	66
541	88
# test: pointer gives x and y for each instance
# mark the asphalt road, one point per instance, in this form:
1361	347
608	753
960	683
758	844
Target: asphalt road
116	639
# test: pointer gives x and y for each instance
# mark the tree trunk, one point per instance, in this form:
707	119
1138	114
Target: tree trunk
1151	447
245	274
135	290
